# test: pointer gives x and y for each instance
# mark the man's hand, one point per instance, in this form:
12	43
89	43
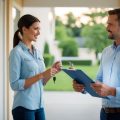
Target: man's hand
78	87
103	89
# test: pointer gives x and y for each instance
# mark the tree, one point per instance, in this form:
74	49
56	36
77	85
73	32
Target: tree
72	28
94	16
58	21
95	33
76	31
60	33
95	37
71	20
64	34
68	44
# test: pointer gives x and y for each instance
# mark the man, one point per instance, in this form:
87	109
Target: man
108	77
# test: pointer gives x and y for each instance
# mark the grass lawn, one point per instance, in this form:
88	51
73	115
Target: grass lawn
64	82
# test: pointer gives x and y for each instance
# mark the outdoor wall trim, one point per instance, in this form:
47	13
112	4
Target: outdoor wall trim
71	3
8	34
2	106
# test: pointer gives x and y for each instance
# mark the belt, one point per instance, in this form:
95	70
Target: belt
112	110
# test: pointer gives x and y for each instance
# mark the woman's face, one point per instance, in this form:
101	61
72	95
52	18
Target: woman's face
32	32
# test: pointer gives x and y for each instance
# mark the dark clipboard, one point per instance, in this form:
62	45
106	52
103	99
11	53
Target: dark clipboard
82	78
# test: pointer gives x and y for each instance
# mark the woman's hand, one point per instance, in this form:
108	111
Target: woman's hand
57	65
46	75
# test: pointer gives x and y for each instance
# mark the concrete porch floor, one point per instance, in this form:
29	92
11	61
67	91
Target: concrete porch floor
71	106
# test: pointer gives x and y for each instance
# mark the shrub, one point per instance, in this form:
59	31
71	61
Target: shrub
77	62
46	48
48	59
69	48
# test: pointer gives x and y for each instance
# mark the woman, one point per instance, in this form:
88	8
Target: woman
27	71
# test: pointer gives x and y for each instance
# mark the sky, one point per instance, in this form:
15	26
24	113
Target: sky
78	12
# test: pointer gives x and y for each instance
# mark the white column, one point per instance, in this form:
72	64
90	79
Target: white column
2	95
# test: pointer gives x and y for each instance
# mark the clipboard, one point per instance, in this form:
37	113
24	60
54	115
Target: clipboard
82	78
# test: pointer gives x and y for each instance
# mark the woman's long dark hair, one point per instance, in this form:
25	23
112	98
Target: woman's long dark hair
25	21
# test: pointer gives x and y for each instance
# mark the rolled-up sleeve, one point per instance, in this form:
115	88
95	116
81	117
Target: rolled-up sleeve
14	70
118	93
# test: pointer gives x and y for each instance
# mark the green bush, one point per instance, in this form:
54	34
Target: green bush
78	62
48	59
69	47
46	48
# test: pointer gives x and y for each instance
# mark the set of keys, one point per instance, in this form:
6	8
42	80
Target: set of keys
71	66
54	79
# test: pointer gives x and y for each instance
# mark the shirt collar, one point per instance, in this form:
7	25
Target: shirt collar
114	46
24	47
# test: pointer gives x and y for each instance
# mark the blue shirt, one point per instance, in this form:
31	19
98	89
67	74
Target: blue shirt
23	64
109	73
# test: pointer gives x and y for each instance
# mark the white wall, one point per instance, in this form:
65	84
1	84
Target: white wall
86	54
2	65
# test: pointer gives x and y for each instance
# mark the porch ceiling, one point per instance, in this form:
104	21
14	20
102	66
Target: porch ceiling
72	3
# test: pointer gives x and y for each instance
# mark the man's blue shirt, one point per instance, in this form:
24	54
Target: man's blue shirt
23	64
109	73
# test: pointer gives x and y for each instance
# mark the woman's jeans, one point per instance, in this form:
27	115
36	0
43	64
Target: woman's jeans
21	113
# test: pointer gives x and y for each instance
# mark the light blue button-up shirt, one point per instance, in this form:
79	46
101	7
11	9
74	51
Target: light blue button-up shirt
109	74
23	65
